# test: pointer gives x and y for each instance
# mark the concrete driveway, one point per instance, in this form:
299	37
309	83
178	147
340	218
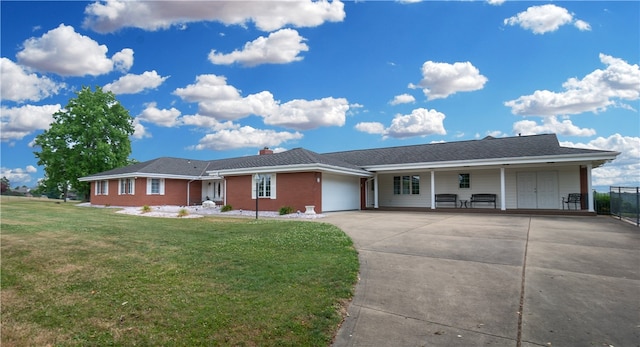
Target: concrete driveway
439	279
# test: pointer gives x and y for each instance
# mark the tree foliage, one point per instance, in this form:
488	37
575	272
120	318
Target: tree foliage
90	135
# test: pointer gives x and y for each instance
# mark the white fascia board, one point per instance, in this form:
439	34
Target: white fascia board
136	175
290	168
566	158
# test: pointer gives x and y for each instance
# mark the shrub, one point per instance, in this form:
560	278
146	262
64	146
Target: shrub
146	209
226	208
286	210
183	212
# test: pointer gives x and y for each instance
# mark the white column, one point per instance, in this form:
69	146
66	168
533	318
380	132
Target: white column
503	190
589	188
433	190
375	191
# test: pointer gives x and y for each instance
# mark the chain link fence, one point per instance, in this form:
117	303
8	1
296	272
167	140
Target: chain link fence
624	203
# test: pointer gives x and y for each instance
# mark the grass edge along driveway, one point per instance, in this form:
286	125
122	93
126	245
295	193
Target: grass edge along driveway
86	276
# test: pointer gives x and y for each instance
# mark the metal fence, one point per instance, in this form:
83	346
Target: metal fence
625	203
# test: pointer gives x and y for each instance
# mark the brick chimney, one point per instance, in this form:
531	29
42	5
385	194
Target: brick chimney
266	150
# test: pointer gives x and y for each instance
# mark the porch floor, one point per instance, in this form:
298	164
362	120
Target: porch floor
537	212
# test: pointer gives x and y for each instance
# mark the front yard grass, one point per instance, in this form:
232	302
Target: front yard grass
73	276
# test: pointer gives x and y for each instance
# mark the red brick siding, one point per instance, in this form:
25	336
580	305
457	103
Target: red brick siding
292	189
175	193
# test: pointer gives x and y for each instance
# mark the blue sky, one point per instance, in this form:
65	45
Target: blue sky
214	79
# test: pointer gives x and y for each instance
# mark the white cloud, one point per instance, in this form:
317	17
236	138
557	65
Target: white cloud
19	85
18	176
123	60
495	2
208	122
442	79
370	127
19	122
166	118
421	122
139	130
221	101
280	47
305	114
545	18
208	88
595	92
268	16
402	99
551	125
245	136
132	84
582	25
625	169
67	53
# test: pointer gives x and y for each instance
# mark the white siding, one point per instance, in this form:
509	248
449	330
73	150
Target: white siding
340	193
386	197
482	181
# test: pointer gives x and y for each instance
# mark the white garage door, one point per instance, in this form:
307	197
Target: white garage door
340	193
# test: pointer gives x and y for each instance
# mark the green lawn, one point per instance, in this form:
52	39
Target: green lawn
90	277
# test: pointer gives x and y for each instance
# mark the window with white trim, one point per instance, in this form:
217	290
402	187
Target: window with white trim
127	186
102	187
464	180
266	186
406	185
155	186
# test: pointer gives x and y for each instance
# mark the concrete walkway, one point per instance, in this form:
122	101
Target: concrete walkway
439	279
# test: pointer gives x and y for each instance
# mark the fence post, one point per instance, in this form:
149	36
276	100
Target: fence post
637	206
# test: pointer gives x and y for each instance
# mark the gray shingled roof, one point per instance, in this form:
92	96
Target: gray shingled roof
162	166
487	148
296	156
356	160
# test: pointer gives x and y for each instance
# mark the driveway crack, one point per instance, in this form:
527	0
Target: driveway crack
524	269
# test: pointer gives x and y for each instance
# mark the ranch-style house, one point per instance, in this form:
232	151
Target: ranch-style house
522	172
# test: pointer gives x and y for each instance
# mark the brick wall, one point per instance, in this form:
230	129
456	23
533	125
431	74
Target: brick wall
175	193
292	189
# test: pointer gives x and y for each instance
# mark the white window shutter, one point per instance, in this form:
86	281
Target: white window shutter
106	187
273	186
162	186
253	188
149	186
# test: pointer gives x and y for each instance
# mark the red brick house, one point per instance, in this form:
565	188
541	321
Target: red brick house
526	172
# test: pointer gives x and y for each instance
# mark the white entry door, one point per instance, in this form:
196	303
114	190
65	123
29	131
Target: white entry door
538	189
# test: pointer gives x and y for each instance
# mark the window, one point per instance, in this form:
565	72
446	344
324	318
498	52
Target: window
406	185
464	180
155	186
102	187
266	186
127	186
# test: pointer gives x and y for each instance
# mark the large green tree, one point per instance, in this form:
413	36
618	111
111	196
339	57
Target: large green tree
90	135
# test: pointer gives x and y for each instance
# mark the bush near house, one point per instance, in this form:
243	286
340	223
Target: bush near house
92	277
226	208
286	210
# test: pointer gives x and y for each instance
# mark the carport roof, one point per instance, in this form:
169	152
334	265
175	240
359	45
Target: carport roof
534	146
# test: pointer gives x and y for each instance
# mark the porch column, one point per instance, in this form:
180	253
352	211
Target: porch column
589	188
375	191
433	190
503	200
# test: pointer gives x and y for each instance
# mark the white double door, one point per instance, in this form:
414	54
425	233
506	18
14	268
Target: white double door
538	189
